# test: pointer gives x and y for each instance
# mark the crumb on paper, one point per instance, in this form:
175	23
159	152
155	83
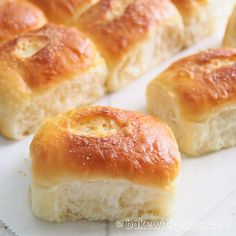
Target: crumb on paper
22	173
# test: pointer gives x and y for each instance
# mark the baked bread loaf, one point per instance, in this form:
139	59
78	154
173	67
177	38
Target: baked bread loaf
44	72
133	35
230	35
196	96
18	17
203	17
63	11
102	163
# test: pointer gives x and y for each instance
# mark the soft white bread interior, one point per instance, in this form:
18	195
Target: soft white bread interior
132	35
230	34
196	96
203	17
99	200
45	72
102	163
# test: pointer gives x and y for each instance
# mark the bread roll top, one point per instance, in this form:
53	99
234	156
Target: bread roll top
202	83
48	56
95	143
117	27
18	17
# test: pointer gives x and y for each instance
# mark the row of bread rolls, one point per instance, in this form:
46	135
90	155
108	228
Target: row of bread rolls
200	17
55	68
102	163
97	163
50	70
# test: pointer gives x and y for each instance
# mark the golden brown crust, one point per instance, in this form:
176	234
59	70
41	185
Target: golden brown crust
143	150
117	31
60	11
62	51
203	82
18	17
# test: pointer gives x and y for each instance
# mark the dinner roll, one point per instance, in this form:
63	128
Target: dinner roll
203	17
44	72
230	35
102	163
132	35
18	17
196	96
62	11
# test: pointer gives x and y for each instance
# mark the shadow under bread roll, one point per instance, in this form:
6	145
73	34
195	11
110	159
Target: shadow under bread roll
230	34
45	72
196	96
132	35
102	163
203	18
63	11
18	17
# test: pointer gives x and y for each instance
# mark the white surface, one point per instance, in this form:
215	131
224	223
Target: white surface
206	193
5	230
